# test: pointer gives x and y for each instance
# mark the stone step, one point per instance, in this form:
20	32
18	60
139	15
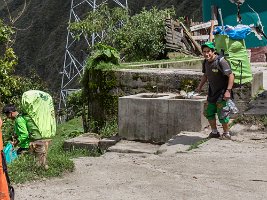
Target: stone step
182	142
90	142
258	107
125	146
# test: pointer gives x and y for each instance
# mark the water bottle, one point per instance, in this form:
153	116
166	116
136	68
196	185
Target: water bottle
225	112
232	106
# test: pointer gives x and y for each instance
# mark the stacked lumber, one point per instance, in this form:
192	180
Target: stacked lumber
179	39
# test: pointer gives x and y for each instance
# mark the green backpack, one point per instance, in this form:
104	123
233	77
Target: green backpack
235	53
38	111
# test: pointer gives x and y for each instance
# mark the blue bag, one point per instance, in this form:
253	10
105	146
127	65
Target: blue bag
238	32
10	153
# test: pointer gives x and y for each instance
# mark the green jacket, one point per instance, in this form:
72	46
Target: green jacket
22	132
26	131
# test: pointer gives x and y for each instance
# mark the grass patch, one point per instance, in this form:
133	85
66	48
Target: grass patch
250	120
187	58
60	162
109	129
196	145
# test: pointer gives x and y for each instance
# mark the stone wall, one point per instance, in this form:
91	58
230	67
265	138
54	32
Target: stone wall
134	81
259	54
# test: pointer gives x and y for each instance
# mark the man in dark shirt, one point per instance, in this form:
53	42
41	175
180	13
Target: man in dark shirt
220	80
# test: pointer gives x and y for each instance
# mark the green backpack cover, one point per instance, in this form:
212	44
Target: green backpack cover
235	53
38	110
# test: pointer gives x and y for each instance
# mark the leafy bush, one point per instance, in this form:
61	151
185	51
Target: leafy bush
140	37
5	33
104	57
99	82
12	86
102	19
75	104
109	129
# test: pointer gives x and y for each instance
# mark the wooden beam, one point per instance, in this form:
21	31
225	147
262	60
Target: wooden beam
197	46
201	37
202	26
214	14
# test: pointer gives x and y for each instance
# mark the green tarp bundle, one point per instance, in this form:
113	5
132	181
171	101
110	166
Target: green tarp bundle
39	107
236	54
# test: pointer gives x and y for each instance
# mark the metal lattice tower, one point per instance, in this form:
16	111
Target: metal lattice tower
75	55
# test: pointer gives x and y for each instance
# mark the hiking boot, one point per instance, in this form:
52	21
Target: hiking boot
226	136
214	135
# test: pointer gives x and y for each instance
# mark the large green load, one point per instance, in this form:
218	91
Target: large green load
39	113
236	54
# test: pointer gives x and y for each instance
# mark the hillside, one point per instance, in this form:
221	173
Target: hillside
41	36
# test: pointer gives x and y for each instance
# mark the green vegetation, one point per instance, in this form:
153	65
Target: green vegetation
11	87
138	37
142	38
109	129
130	64
99	83
188	84
245	119
196	145
25	169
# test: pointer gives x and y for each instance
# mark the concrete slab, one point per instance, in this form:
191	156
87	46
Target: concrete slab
258	107
86	141
105	143
125	146
262	67
181	142
237	128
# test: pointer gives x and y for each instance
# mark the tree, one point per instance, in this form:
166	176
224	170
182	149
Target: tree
138	37
8	60
142	38
12	86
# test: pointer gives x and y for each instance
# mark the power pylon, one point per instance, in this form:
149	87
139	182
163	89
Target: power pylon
74	60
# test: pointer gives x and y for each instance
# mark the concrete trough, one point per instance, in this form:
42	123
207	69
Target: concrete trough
155	118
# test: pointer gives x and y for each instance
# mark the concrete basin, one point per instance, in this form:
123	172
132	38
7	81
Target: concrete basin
157	117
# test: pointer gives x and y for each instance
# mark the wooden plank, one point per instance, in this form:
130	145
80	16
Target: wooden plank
197	46
176	35
214	15
202	26
173	46
174	43
201	37
175	28
170	21
172	39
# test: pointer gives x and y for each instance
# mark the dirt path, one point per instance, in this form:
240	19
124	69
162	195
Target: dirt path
219	169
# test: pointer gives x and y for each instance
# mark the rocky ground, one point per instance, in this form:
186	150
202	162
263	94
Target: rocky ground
218	169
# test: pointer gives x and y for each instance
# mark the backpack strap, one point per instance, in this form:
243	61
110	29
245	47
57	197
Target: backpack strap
241	71
218	63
